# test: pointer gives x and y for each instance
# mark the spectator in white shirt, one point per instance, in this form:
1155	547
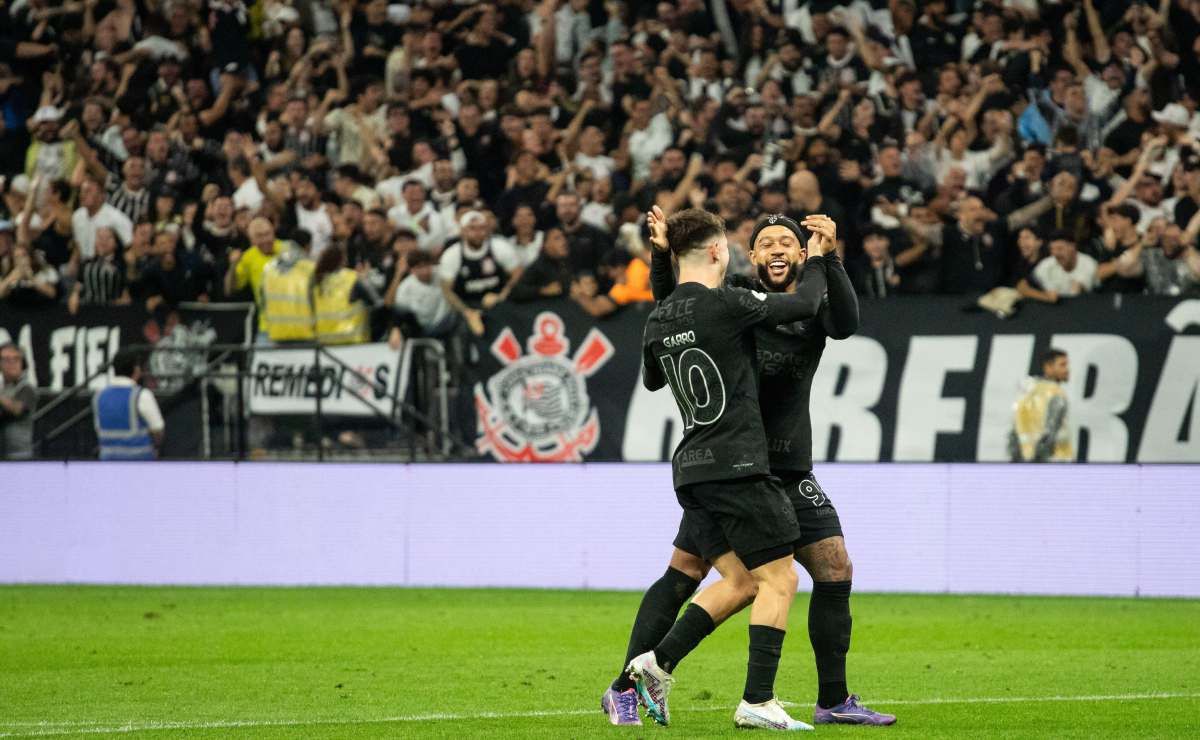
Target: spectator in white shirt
246	193
651	136
598	210
979	166
366	115
419	308
527	238
311	214
418	215
591	154
1066	272
95	213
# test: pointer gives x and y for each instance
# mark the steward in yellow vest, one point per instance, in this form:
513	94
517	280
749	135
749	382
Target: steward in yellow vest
1040	430
340	320
286	296
342	317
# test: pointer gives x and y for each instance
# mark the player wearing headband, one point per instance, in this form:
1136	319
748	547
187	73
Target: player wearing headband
787	360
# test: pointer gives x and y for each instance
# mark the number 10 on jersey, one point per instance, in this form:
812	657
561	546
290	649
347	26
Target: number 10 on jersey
697	386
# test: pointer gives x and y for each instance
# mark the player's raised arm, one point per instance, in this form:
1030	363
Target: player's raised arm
662	274
840	317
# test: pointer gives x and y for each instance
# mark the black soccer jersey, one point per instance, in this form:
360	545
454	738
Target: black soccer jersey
787	357
700	342
479	275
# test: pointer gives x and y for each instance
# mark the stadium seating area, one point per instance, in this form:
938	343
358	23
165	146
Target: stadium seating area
962	146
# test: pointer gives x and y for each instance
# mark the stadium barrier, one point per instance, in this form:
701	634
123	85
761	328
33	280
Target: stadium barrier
1021	529
927	379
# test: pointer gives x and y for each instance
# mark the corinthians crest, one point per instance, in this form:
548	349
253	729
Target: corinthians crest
536	409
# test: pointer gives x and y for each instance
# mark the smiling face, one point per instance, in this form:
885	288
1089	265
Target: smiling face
777	255
1029	244
1064	252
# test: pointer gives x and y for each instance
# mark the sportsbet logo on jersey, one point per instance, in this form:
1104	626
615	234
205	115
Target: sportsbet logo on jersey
536	408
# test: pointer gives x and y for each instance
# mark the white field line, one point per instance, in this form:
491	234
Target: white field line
47	728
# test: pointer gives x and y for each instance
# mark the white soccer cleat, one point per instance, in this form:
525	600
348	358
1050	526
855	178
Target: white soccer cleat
769	715
653	684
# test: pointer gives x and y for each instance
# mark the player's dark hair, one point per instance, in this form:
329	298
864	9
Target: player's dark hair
1049	356
126	361
693	229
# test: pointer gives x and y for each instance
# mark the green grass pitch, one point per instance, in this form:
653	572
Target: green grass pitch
348	663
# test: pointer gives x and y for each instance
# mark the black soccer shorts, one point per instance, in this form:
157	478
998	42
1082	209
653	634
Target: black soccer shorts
816	520
815	514
754	517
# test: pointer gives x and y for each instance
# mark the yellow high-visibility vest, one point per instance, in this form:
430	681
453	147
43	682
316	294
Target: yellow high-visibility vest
287	306
1029	420
339	321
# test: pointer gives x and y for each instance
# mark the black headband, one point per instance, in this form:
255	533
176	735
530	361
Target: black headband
778	219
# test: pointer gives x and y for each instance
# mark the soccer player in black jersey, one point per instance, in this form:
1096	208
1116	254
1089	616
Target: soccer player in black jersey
788	358
700	341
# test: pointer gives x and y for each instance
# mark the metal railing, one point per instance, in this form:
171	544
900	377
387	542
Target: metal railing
420	428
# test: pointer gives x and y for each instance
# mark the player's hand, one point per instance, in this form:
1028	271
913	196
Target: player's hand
824	231
657	221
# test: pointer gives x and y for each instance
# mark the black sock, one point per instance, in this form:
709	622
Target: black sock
685	635
766	645
829	631
660	606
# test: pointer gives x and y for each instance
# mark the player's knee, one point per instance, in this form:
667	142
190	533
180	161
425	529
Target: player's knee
790	581
845	569
746	589
837	567
690	565
780	582
827	562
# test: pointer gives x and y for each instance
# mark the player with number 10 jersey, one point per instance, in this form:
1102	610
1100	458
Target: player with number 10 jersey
700	342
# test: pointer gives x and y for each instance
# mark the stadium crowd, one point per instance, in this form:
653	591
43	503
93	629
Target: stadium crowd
434	158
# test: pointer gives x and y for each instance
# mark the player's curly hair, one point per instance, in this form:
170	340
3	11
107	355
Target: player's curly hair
693	229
